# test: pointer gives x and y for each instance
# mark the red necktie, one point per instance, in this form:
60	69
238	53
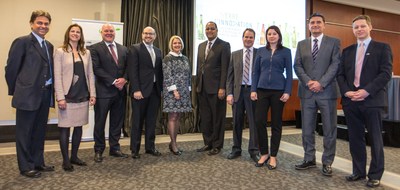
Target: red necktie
114	55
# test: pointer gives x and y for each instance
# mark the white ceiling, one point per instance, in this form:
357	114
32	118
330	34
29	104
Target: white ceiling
390	6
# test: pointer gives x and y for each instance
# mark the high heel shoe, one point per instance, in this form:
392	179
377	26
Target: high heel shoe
179	152
264	163
271	167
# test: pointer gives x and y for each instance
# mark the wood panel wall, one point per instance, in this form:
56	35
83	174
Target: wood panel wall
338	17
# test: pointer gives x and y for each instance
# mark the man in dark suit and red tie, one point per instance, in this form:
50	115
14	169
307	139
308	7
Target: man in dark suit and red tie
29	77
146	79
212	66
109	66
363	76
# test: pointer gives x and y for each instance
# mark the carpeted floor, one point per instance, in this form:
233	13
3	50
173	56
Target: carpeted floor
192	170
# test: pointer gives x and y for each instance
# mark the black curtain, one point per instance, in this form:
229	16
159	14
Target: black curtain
168	18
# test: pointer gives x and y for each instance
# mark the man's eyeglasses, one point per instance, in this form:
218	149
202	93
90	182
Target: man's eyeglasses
147	33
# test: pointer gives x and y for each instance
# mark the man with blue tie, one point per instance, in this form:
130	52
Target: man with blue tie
364	73
316	64
30	81
238	87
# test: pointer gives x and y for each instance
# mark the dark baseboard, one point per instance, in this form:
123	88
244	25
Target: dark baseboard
8	133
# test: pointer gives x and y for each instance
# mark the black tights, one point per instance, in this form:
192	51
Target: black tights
64	142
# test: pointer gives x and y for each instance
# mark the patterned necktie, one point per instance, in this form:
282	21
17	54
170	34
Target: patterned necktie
315	49
114	55
208	49
46	53
246	69
359	63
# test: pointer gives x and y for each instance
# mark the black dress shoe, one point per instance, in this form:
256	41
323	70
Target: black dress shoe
68	167
204	148
306	165
78	162
262	164
233	155
354	177
31	173
45	168
373	183
214	151
98	157
118	153
135	155
153	152
326	170
255	157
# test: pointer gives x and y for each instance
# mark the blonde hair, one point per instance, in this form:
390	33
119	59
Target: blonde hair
172	39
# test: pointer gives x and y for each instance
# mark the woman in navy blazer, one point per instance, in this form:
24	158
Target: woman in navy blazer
271	88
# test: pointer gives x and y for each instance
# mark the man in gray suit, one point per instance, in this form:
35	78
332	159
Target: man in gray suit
212	66
238	87
316	65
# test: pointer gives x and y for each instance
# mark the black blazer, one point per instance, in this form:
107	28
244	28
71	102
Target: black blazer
215	66
106	70
26	72
141	71
376	72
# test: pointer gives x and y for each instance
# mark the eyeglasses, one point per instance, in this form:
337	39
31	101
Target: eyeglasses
147	33
210	28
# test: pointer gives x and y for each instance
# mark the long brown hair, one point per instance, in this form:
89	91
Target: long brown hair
81	43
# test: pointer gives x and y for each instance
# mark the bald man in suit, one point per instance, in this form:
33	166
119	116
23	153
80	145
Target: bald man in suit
364	73
316	64
146	78
111	78
212	66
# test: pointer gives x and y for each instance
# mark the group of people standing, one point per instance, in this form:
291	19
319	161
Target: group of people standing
252	80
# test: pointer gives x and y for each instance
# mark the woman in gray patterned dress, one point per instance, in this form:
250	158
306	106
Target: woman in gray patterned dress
176	88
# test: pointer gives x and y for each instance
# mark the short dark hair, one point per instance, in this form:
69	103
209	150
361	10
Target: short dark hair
249	29
363	17
277	30
316	15
212	22
39	13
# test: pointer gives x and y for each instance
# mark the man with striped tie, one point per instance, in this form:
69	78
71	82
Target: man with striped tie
316	65
238	86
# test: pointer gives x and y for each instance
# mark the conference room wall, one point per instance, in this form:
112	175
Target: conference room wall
17	14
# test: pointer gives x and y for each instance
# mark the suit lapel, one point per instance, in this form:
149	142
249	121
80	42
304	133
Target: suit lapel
240	64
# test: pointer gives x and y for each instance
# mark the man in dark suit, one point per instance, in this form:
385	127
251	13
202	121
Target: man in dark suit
30	81
146	78
316	64
109	66
212	65
364	73
238	95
